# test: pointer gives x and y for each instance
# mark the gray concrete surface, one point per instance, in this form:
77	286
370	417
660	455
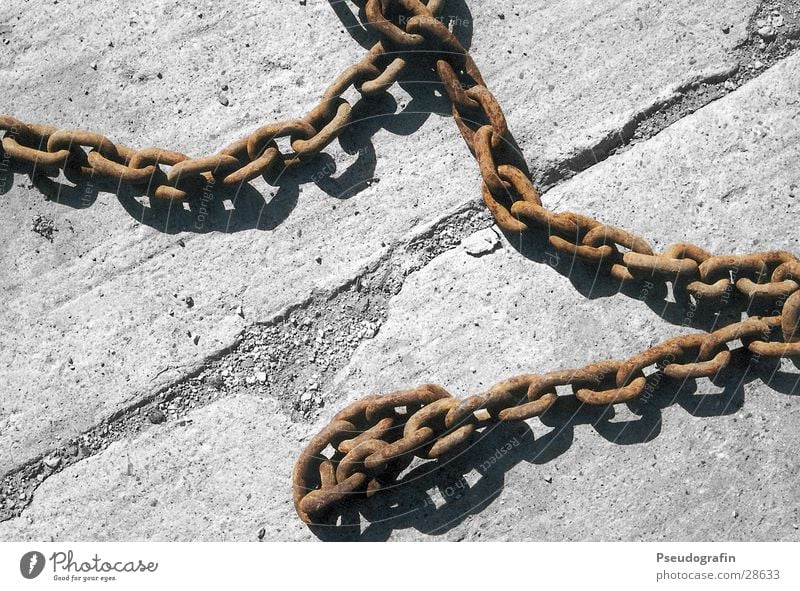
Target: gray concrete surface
88	332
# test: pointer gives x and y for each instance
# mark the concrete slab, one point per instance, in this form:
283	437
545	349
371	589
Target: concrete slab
549	64
218	479
710	462
87	329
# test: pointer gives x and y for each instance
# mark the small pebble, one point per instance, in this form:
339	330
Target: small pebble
481	243
767	33
156	417
215	381
223	100
262	533
52	462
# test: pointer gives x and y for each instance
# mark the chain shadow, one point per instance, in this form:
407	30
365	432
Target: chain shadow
433	497
354	25
7	180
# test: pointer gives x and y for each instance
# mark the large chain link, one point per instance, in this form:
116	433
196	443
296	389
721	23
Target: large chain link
376	438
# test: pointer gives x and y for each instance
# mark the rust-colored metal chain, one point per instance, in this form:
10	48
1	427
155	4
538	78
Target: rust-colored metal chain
515	202
82	154
372	440
377	437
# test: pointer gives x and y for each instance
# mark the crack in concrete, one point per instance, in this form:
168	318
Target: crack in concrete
295	355
762	49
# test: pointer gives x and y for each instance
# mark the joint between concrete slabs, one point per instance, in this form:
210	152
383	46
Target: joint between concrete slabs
752	58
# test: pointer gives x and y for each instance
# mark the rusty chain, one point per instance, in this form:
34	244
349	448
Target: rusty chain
370	443
81	154
377	437
372	440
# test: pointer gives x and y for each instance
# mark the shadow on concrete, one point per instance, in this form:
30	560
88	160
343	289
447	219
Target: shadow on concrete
435	496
